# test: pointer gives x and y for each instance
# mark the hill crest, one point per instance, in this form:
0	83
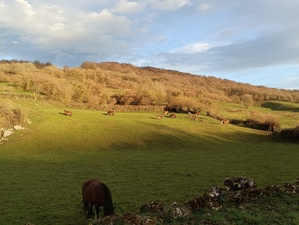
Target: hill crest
94	84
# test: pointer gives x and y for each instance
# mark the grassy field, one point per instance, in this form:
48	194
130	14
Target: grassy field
140	158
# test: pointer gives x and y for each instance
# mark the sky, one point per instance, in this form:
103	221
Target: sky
248	41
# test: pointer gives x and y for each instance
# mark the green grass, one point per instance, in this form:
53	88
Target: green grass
286	112
140	158
10	89
281	106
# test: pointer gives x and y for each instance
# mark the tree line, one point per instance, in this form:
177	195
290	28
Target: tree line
94	85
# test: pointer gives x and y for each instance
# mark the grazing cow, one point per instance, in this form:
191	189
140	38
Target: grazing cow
195	113
239	183
193	116
96	193
68	113
224	122
159	117
110	113
172	115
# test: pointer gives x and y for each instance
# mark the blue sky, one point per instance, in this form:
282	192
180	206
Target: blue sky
249	41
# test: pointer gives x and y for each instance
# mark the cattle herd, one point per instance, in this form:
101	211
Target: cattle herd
166	114
237	191
287	134
195	115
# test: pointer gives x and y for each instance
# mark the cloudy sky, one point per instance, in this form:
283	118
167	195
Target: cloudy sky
250	41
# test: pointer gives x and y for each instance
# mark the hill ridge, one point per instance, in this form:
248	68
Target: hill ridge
94	84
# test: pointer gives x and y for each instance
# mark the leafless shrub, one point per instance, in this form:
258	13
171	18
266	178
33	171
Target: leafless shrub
214	113
264	121
10	116
185	104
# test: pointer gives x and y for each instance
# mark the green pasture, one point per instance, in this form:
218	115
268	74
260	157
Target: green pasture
141	160
286	112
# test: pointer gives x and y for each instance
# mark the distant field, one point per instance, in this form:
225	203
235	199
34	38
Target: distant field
140	158
286	112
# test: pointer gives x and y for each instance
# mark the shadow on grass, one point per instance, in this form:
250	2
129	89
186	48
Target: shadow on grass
280	107
62	113
165	137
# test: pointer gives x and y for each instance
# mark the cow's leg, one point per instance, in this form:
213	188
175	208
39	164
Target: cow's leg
86	209
97	211
89	215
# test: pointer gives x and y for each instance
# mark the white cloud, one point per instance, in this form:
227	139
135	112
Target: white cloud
105	22
51	27
211	37
26	7
127	7
22	17
168	4
204	6
198	47
289	83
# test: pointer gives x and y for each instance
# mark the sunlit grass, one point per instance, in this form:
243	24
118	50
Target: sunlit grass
140	158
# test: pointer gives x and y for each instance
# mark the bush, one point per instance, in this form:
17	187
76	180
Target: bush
10	116
214	113
263	122
265	118
185	104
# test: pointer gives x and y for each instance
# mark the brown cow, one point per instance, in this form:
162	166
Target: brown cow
172	115
193	116
110	113
68	113
159	117
224	122
96	193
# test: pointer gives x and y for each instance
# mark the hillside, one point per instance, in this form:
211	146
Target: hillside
142	159
94	85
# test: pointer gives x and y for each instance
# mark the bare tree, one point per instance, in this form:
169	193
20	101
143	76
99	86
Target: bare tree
247	100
